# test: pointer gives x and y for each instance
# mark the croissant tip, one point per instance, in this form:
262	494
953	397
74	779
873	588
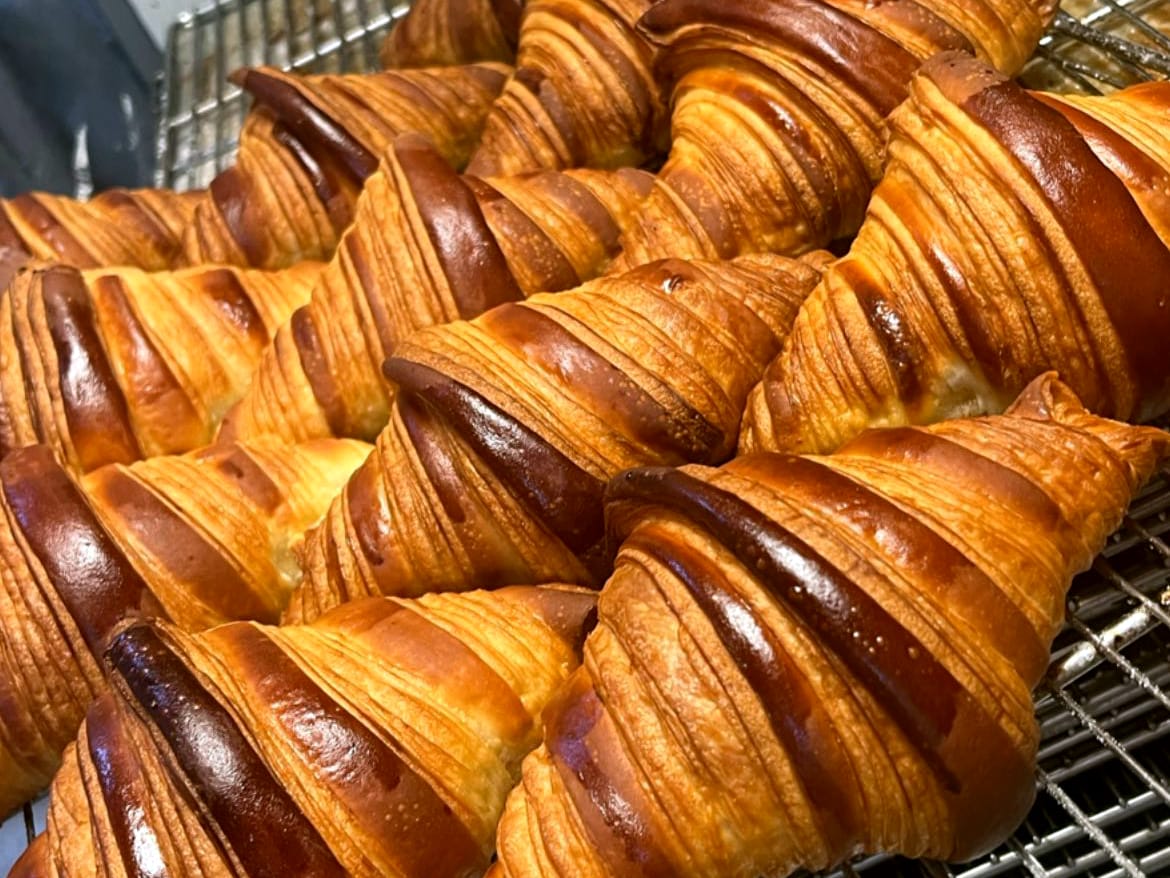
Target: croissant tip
1047	397
960	75
34	862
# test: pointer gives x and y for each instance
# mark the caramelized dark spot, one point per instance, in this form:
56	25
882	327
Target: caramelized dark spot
90	574
94	405
265	829
565	497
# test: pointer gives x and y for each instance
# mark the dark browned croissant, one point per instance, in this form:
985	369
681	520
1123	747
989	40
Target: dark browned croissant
198	539
427	247
435	33
506	428
303	154
381	740
140	227
800	659
778	111
1012	233
294	200
583	94
111	365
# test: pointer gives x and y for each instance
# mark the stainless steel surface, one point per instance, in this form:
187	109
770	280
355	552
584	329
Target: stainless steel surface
1103	800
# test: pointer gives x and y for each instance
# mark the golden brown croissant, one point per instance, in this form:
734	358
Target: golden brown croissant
292	199
112	365
506	428
198	539
583	94
778	111
435	33
381	740
427	246
139	227
799	659
1012	233
303	154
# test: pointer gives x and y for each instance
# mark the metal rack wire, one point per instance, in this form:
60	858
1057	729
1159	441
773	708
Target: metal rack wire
1101	45
1103	801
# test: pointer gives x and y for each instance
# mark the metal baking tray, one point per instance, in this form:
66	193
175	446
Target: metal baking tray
1103	802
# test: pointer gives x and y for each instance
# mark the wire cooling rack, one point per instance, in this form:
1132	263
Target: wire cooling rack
1103	801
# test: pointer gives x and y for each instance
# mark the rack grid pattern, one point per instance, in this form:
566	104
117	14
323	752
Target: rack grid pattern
1103	785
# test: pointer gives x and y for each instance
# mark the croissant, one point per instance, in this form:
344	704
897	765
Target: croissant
778	112
1012	233
506	428
293	201
381	740
119	227
427	246
111	365
436	33
303	154
322	376
800	659
198	539
583	93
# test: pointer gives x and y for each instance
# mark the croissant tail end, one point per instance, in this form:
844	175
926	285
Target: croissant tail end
34	862
1048	398
960	75
1046	9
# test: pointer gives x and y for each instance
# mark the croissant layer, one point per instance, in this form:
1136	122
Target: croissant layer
113	365
778	112
583	94
315	140
427	247
441	32
306	146
505	428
